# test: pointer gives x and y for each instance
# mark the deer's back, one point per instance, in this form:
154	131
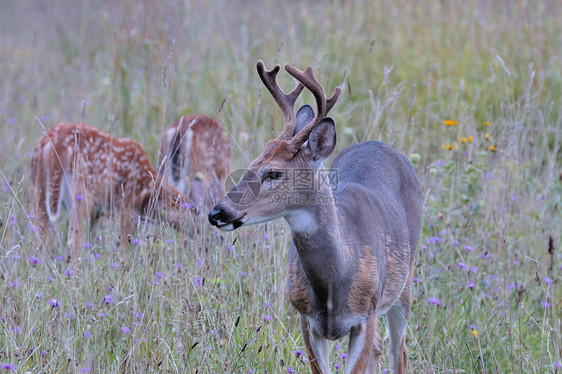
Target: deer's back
107	166
200	143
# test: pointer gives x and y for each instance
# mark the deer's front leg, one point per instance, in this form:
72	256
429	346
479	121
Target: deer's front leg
80	208
317	347
364	347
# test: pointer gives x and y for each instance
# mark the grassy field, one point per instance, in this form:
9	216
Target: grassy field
474	88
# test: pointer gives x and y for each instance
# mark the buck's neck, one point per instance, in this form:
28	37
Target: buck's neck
318	240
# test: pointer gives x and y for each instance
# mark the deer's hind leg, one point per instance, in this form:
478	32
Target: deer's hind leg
397	318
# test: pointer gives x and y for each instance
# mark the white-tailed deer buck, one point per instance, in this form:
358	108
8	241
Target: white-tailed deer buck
351	259
195	158
89	171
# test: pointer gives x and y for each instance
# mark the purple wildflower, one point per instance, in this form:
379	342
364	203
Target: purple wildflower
79	197
9	366
54	302
469	248
108	299
135	241
115	265
68	272
35	260
125	330
462	265
290	370
197	281
87	245
547	280
470	284
39	295
158	274
89	305
433	240
267	317
298	352
87	334
14	284
434	300
43	353
415	280
546	304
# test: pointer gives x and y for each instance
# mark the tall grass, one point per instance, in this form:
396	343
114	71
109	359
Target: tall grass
487	296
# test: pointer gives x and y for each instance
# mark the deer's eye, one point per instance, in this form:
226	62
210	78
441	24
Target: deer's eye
273	175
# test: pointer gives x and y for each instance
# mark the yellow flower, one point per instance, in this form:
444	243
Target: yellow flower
486	123
449	147
475	333
465	139
450	122
486	136
492	148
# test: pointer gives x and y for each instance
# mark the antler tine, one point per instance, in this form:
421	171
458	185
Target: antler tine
285	101
323	105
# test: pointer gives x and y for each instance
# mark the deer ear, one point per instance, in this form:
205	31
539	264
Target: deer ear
305	115
322	140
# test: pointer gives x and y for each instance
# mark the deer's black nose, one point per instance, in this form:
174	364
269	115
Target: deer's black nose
215	216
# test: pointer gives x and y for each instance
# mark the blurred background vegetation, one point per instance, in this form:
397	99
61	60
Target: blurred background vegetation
473	88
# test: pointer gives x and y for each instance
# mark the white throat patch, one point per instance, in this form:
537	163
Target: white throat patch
301	221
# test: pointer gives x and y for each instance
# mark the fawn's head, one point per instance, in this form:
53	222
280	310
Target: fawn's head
283	177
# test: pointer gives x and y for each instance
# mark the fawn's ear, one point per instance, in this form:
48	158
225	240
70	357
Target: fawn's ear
304	116
322	140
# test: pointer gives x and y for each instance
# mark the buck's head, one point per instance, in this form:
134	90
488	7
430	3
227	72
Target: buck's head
284	177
